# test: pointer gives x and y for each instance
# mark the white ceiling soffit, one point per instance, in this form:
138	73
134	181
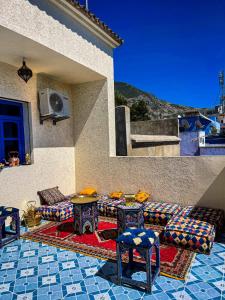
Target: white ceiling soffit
42	59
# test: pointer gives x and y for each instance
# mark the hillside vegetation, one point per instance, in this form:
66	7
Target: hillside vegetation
146	106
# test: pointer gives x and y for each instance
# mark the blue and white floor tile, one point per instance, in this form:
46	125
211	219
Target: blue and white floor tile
30	270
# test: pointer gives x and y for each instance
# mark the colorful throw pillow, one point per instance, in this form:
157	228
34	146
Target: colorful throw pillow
115	195
51	196
142	196
88	191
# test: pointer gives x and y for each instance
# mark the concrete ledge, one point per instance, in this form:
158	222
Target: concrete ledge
153	138
214	146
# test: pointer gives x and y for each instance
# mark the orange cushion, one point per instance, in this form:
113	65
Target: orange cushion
88	191
116	195
142	196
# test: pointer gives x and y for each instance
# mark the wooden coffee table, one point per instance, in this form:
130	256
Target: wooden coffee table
85	214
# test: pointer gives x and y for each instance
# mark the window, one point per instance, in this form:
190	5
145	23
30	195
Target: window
12	134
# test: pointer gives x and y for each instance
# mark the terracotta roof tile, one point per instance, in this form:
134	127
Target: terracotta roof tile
96	20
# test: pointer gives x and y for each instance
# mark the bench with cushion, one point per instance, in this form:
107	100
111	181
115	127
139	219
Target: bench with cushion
55	206
190	233
193	227
111	209
102	204
160	213
107	206
212	216
58	212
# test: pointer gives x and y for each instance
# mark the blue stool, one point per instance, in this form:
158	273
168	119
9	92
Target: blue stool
7	236
143	240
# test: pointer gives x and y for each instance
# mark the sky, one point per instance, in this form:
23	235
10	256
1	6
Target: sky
172	48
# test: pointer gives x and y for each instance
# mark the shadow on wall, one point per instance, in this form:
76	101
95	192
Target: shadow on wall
48	135
89	93
215	191
65	133
71	24
155	127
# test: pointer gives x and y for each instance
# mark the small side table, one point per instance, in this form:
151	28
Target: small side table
142	240
7	236
85	214
129	216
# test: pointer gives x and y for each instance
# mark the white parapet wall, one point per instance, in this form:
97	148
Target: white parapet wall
81	151
184	180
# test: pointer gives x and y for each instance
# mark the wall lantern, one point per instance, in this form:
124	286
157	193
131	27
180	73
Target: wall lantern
24	72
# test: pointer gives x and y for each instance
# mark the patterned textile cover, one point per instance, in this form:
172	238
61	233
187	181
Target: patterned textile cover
58	212
102	204
160	213
51	196
111	208
190	233
138	237
210	215
185	211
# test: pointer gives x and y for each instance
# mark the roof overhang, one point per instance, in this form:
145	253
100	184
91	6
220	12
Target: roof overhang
71	10
42	59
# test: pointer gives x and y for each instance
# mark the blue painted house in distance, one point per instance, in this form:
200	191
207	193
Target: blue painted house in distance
200	135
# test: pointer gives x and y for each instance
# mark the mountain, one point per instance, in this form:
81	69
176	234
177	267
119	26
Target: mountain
156	107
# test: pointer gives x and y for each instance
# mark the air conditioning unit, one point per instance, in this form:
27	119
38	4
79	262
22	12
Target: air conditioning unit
53	105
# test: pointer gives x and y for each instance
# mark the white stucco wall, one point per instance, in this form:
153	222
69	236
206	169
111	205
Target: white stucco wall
53	146
184	180
91	135
44	23
53	152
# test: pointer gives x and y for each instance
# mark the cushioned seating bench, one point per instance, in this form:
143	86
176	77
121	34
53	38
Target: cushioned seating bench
190	233
55	206
160	213
108	207
193	227
212	216
102	205
57	212
111	209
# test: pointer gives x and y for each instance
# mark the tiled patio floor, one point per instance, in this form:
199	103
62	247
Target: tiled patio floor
30	270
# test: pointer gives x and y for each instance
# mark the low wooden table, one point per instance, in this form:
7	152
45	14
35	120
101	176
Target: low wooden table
129	216
85	214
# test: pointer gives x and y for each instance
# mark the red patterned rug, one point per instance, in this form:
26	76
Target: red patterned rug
175	262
